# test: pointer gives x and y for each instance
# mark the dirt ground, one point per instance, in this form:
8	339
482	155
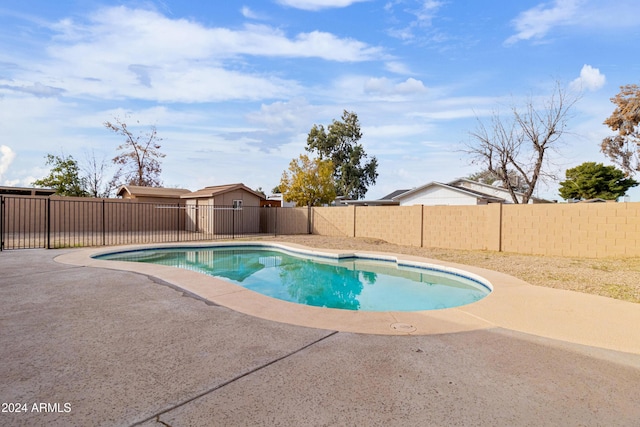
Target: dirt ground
610	277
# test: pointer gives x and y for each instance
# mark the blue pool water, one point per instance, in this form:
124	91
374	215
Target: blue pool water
349	283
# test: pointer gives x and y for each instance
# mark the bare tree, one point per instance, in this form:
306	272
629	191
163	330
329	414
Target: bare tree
140	157
489	178
94	172
515	149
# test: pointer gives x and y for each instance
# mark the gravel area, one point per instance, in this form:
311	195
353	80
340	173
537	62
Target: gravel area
610	277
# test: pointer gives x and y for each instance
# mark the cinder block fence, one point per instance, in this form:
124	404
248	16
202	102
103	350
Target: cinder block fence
593	230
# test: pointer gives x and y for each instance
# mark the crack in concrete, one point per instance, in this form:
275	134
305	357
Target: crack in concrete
185	293
162	422
232	380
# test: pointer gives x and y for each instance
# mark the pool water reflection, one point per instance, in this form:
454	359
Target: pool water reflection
349	283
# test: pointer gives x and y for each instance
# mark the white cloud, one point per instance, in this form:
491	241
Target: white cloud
583	15
410	85
536	22
314	5
6	158
385	86
397	67
427	11
291	116
120	53
422	17
249	13
129	33
36	89
590	79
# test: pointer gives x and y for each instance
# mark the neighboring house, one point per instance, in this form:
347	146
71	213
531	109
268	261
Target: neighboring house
26	191
388	200
431	194
279	201
437	193
458	192
220	209
152	194
493	190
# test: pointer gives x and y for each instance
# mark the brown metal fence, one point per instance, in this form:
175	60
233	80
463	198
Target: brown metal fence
47	222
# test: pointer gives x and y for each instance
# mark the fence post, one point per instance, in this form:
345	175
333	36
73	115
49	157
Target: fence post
1	223
178	220
275	226
48	213
104	237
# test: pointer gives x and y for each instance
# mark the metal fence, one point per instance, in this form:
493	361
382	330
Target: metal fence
46	222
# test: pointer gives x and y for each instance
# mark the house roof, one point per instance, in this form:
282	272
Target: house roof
596	200
393	194
386	200
27	191
159	192
456	183
469	192
216	190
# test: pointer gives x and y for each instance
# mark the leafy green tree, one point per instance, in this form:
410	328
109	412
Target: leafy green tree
140	156
592	180
308	182
64	177
353	173
624	148
261	191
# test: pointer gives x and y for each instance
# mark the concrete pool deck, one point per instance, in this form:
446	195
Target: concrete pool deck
133	348
513	304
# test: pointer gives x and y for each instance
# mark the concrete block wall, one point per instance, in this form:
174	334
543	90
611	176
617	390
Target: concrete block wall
333	221
593	230
584	230
459	227
292	220
397	224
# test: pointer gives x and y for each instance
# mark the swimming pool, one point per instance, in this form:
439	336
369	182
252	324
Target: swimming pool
360	283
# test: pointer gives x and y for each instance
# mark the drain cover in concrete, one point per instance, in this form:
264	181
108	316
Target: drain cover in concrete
403	327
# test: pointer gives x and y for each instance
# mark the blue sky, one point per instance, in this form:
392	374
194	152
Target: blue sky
234	87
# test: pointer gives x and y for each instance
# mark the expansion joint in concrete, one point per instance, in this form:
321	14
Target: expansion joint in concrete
232	380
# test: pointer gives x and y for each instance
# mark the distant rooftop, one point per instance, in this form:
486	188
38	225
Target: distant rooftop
132	191
26	191
396	193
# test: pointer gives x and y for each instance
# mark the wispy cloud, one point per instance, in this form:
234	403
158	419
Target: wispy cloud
314	5
536	22
422	14
142	54
397	67
36	89
249	13
128	32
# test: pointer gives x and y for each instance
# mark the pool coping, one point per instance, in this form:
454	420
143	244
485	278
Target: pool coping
513	304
